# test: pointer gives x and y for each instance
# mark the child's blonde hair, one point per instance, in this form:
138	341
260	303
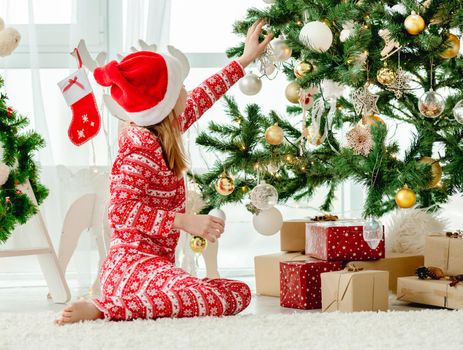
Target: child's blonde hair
170	138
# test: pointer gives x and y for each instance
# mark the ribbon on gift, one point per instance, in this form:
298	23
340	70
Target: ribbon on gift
72	82
351	267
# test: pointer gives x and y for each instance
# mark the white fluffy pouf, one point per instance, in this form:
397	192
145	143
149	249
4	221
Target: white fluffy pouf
406	230
429	329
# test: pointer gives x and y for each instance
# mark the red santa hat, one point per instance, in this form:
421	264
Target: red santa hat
145	84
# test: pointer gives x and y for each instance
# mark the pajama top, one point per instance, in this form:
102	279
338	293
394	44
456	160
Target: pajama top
138	277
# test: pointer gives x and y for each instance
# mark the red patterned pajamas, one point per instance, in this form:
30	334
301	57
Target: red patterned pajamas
138	277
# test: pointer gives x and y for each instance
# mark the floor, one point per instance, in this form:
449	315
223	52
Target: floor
22	298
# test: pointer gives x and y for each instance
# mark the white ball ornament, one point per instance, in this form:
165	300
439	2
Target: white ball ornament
458	112
4	173
250	84
280	49
316	36
268	222
264	196
218	213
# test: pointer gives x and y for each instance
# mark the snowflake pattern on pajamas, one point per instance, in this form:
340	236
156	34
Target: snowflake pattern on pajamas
138	277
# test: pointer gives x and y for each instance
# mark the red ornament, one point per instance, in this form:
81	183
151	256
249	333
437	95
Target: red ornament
10	111
7	200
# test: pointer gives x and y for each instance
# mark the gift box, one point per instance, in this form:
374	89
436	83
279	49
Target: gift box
398	265
430	292
350	291
444	252
300	286
340	240
292	235
267	271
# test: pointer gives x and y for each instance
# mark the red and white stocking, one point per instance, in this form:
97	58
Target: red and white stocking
78	94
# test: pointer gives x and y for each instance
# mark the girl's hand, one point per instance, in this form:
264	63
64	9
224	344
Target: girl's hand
252	47
206	226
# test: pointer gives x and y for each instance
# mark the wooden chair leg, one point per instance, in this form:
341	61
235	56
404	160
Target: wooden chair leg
210	259
78	218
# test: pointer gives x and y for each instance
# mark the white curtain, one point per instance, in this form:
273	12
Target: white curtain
69	171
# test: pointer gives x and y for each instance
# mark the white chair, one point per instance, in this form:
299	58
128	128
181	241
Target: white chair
42	247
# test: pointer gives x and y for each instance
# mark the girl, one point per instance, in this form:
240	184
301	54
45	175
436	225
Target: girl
147	204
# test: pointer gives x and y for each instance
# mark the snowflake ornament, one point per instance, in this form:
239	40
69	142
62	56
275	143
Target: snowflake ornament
360	140
365	103
400	84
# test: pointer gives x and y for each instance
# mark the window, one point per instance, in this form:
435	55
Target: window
51	27
210	28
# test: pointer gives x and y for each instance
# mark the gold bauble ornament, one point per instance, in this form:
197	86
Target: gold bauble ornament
302	68
414	24
274	135
245	189
386	76
292	92
198	244
225	185
372	119
453	47
405	198
436	170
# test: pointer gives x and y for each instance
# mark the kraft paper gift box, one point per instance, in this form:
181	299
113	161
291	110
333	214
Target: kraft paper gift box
350	291
340	240
398	265
444	252
292	235
267	271
300	286
430	292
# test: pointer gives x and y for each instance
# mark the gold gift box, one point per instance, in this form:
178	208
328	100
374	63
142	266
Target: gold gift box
398	265
349	291
430	292
267	271
292	235
444	252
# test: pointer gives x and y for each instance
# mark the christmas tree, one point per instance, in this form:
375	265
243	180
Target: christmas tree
351	66
17	166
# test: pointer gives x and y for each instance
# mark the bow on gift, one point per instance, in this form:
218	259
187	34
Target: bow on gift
352	268
457	234
73	82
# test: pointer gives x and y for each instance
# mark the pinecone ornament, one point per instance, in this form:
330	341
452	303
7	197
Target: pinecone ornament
422	272
435	273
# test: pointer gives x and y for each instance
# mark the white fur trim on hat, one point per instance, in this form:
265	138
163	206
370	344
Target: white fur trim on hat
156	114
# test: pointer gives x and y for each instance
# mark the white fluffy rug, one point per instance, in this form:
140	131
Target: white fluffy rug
430	329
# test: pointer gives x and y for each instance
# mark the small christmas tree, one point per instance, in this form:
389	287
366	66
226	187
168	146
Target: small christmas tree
351	65
16	167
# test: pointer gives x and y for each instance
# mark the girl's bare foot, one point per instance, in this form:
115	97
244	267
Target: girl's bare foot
82	310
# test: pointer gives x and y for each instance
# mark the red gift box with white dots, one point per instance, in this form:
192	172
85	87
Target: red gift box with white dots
340	240
300	282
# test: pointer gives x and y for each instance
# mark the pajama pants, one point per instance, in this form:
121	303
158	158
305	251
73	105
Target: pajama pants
140	285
